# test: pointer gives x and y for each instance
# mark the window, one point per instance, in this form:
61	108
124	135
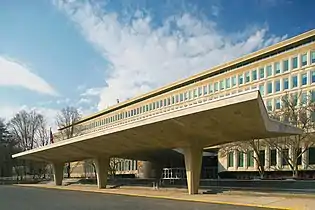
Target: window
277	68
262	157
269	87
240	79
269	105
199	91
277	102
304	79
254	75
312	96
285	65
195	94
240	159
294	98
216	87
262	89
227	83
294	81
222	85
273	157
230	159
250	159
311	155
285	155
233	81
285	83
261	73
177	99
247	77
299	159
294	63
210	88
269	71
313	57
181	98
277	85
313	76
304	59
205	90
304	98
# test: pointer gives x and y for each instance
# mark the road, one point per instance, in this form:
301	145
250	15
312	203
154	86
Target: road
22	198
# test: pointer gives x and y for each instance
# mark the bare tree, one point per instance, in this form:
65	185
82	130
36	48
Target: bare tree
251	148
298	110
66	122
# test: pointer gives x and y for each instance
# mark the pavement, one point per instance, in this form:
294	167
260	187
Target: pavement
246	200
30	198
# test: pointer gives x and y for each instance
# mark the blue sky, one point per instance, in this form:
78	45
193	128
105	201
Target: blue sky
89	53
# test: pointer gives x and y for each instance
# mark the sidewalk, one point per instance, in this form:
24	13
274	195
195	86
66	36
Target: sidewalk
274	202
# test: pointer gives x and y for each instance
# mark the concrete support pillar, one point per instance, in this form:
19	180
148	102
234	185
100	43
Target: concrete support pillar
146	170
102	165
58	173
267	157
193	162
235	157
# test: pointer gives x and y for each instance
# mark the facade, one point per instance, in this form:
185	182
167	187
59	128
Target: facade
288	66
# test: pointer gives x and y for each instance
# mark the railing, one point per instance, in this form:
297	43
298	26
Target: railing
168	109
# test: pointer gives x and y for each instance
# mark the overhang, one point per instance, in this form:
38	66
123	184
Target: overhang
233	118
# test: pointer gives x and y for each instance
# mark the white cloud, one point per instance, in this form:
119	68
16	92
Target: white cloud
63	101
84	101
16	74
144	57
92	92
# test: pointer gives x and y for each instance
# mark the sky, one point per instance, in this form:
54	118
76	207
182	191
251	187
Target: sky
88	54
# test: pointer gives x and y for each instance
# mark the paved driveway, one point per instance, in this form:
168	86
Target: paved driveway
23	198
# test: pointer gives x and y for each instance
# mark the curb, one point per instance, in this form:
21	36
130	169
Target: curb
192	199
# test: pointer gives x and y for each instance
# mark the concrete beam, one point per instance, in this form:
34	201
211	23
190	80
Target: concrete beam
102	165
193	162
58	173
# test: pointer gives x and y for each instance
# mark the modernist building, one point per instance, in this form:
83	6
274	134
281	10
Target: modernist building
288	66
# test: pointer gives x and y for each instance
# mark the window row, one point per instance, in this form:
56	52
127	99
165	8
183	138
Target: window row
126	165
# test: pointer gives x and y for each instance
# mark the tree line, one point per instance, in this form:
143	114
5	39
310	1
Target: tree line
297	109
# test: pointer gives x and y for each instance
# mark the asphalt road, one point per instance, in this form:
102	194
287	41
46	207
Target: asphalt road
14	197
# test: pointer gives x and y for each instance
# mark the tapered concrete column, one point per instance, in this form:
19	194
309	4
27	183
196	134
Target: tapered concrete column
102	165
193	162
58	173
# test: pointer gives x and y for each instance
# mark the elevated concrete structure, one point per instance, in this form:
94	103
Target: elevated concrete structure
191	127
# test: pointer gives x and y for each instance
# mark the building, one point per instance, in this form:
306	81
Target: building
288	66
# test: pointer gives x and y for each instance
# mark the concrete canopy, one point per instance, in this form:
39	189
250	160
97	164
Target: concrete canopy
234	118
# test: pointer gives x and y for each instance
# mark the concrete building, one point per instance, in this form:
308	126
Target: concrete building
214	107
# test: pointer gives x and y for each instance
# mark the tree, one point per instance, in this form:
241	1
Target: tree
251	148
298	110
29	131
66	120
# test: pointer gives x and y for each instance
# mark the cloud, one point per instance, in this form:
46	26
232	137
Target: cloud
144	55
13	73
92	92
84	101
63	101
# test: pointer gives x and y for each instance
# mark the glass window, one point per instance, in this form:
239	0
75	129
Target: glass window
313	57
205	90
285	155
261	73
240	79
304	59
294	63
313	76
210	88
262	157
304	98
177	98
216	87
269	70
285	65
173	98
277	85
181	98
233	81
277	103
277	68
240	159
312	96
269	105
230	159
304	79
294	81
227	82
199	91
250	159
254	75
273	157
262	89
195	93
285	83
294	98
247	77
222	85
269	87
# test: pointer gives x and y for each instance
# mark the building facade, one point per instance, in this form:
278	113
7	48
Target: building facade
288	66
